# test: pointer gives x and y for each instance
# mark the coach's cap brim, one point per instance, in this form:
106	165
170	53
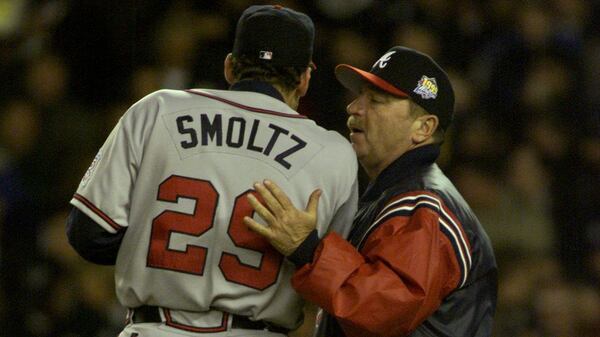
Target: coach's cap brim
353	79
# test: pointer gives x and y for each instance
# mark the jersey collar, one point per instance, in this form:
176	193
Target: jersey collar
406	165
257	86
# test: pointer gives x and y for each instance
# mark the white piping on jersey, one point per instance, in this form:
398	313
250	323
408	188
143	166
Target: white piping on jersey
439	206
459	241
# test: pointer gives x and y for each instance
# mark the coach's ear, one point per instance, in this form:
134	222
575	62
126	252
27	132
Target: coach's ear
228	69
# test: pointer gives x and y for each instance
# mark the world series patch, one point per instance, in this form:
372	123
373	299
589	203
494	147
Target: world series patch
427	87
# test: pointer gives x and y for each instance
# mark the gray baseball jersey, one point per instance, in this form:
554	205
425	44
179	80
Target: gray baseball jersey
175	173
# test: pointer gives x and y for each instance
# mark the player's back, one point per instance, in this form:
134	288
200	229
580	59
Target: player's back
199	152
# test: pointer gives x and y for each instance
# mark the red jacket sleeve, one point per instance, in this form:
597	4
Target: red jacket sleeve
407	265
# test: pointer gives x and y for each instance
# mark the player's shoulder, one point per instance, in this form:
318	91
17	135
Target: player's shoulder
162	101
156	98
163	95
332	137
344	147
336	146
341	143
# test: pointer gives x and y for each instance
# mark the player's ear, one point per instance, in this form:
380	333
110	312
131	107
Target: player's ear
304	82
228	69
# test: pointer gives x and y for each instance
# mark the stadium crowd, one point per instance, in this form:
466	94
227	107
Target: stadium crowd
524	149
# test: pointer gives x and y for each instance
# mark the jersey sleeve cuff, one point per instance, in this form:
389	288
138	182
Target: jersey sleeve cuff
101	218
305	252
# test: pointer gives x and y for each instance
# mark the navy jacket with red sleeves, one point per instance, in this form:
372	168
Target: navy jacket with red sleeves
417	262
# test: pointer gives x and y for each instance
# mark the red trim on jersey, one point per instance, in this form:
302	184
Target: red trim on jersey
245	107
97	211
170	322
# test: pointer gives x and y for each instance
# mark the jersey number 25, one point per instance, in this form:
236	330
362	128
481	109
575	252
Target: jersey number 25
193	259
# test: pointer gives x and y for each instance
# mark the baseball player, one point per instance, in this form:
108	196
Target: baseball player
166	195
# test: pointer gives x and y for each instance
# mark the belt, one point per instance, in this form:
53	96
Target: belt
151	314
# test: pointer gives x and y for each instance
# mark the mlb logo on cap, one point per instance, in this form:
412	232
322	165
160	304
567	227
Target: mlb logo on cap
276	35
265	55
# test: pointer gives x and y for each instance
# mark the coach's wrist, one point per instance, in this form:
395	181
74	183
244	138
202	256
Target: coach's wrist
305	252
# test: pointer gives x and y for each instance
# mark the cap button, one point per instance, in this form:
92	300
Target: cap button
278	6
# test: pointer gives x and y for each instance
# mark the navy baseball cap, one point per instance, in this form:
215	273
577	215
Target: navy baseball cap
276	35
405	72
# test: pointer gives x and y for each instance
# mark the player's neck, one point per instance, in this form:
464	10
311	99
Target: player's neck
290	98
292	101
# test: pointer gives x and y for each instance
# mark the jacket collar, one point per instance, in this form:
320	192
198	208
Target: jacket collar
406	165
257	86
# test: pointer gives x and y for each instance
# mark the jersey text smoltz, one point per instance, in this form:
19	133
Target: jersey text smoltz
216	131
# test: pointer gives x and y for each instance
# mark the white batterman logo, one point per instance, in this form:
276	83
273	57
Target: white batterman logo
427	87
265	55
382	62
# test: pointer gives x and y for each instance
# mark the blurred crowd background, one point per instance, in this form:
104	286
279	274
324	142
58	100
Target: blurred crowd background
524	149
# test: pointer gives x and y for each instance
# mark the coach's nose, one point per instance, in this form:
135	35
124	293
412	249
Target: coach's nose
356	107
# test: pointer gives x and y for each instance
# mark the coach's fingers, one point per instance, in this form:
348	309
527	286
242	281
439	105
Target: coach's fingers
258	228
261	210
313	202
269	199
282	198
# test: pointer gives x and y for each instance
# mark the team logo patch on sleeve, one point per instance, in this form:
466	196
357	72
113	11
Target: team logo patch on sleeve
91	169
427	87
